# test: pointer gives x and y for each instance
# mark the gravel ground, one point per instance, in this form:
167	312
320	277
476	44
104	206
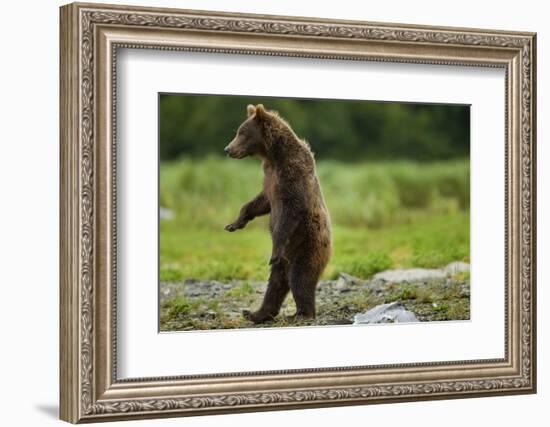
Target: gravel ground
431	296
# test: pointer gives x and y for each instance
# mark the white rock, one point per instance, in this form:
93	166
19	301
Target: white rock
346	280
410	275
166	214
457	267
393	312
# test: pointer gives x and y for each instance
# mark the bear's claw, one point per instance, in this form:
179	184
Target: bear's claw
256	317
232	227
299	317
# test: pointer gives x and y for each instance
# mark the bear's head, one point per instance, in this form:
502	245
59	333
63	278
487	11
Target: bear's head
250	139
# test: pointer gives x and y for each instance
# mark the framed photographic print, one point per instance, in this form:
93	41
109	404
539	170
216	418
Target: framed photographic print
266	212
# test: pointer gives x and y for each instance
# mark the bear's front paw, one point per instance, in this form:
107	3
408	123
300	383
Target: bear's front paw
234	226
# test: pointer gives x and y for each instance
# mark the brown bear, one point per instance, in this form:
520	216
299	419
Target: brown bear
299	221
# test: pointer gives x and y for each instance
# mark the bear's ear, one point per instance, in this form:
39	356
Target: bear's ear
250	110
260	111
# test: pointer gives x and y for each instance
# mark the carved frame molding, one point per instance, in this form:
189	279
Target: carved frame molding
90	37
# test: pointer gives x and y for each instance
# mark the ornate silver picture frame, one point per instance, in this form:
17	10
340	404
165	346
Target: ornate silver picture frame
91	34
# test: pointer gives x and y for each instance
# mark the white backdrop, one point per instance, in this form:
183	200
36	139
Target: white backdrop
29	170
143	352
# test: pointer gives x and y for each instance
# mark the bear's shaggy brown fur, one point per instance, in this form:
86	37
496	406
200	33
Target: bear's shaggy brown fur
299	221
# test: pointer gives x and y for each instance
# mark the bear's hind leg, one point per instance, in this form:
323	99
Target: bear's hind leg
277	290
303	282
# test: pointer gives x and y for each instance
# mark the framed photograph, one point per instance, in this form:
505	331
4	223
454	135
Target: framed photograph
266	212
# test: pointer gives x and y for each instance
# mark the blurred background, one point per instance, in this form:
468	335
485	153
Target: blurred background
396	179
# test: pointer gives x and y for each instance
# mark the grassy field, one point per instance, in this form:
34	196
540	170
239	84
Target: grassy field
385	214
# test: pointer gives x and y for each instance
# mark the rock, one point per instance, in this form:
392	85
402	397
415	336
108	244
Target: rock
457	267
348	278
166	214
465	291
194	293
422	274
348	283
378	285
410	275
210	314
345	281
393	312
234	314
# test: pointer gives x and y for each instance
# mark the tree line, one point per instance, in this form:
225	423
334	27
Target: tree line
347	130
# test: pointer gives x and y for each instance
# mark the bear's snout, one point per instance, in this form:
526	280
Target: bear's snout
235	152
229	151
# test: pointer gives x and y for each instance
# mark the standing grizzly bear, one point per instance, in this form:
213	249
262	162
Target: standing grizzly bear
299	221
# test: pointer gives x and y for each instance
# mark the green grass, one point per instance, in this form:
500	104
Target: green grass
363	265
168	274
210	192
387	214
179	306
242	291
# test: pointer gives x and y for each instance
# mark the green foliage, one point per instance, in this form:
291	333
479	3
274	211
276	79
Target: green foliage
415	187
365	266
178	307
454	181
168	274
406	293
242	290
462	276
380	214
213	253
441	307
359	195
432	251
210	192
197	125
